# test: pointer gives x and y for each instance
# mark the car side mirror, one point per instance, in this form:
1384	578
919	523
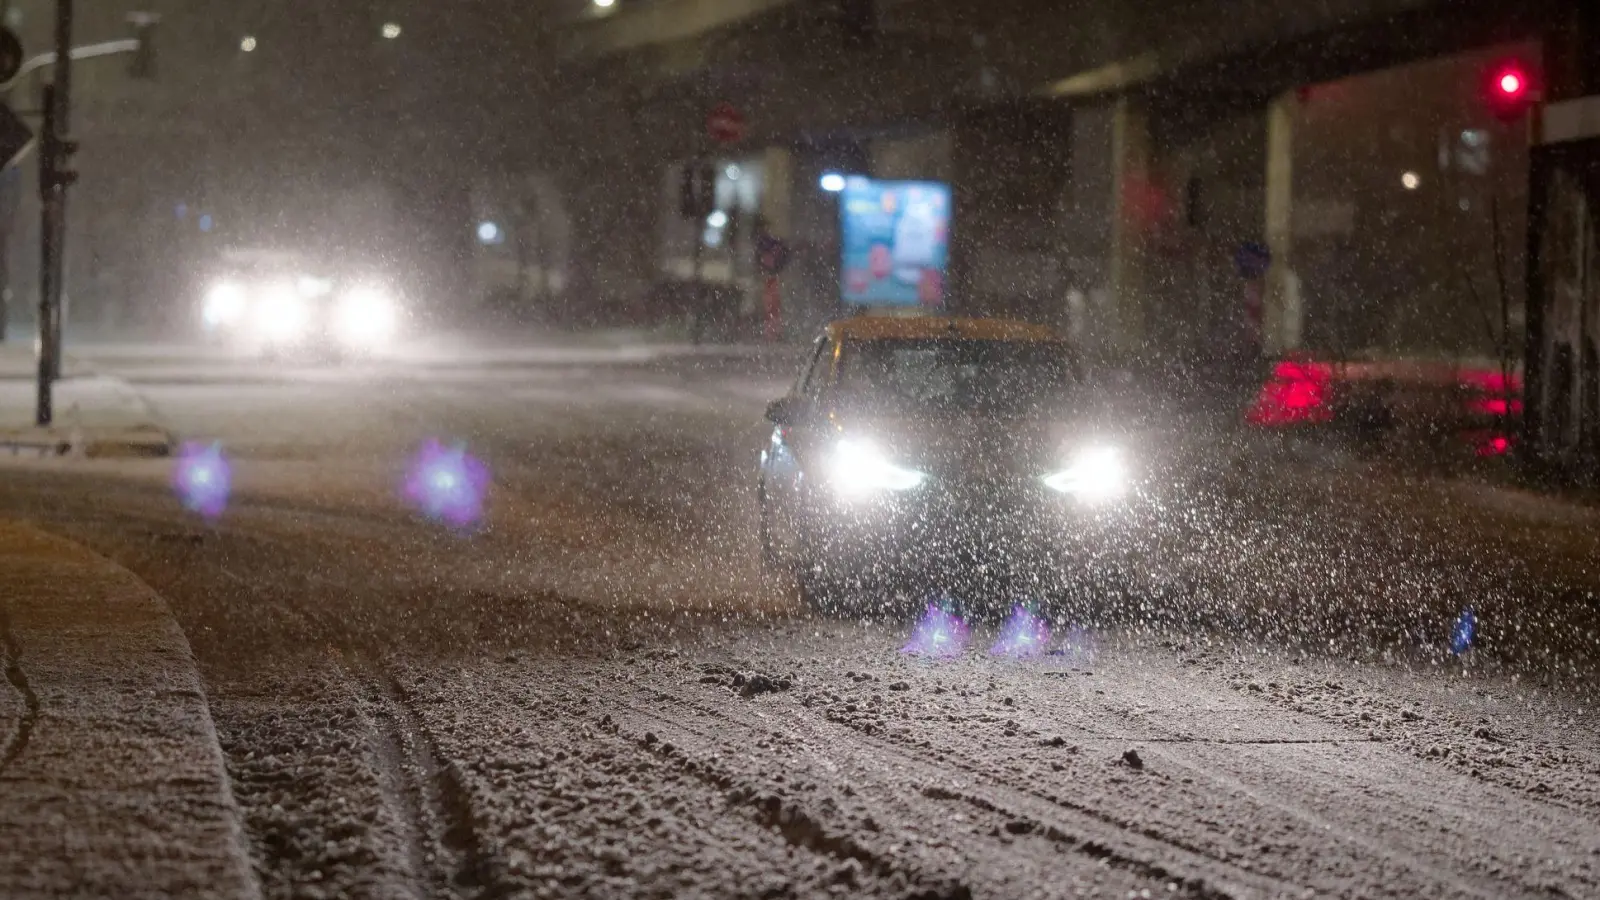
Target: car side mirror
783	411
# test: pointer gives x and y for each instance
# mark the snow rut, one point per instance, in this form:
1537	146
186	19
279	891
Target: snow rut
22	731
770	806
1203	811
1149	857
307	746
445	853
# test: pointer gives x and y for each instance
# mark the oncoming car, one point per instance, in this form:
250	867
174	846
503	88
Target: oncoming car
276	305
955	453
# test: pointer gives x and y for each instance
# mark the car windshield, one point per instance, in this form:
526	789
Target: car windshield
954	375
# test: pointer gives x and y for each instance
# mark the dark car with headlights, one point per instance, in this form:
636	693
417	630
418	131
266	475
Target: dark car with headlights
278	304
961	454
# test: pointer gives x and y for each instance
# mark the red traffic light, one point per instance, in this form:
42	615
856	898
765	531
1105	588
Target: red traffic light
1511	90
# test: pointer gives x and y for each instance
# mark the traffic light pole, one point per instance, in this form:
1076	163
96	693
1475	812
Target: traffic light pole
55	150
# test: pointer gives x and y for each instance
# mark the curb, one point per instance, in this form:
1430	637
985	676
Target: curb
140	439
112	780
140	442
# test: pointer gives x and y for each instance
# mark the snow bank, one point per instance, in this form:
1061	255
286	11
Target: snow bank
111	779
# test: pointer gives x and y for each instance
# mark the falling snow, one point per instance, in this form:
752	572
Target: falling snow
878	450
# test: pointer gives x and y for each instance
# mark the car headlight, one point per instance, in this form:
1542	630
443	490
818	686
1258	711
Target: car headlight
858	467
282	314
1096	475
366	316
224	304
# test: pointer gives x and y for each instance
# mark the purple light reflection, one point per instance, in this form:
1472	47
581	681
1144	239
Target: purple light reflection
202	478
447	484
1022	636
940	633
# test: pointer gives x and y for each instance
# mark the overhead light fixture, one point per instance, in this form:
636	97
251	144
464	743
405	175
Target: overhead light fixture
605	4
1410	181
832	182
391	30
248	43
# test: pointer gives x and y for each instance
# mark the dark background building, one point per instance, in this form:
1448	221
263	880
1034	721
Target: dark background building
1108	159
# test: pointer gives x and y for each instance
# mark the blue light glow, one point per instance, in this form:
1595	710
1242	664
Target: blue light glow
940	633
447	484
1462	633
1023	635
202	479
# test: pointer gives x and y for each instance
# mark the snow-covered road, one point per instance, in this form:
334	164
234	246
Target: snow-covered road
597	695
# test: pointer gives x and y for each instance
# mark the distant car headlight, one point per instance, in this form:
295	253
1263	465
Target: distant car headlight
282	313
366	316
224	304
1096	475
858	468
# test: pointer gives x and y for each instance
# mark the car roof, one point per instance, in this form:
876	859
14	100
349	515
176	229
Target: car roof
913	328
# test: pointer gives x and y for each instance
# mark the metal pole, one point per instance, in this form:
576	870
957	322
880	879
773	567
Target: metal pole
53	215
699	248
49	327
696	261
9	217
702	297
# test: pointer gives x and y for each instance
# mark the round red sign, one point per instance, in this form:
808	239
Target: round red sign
725	124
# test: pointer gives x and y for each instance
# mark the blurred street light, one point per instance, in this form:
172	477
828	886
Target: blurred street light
1410	181
248	44
144	31
489	233
391	30
832	182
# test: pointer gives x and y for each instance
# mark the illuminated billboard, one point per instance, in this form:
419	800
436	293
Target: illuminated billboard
895	237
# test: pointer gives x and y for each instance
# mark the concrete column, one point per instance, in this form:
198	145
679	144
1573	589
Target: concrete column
1562	423
1131	180
1281	313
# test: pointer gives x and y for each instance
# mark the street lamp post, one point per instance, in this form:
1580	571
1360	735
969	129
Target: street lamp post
54	152
55	176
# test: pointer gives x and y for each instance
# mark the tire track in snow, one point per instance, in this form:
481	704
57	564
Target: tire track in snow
1359	790
1237	777
953	754
569	787
793	820
1099	837
1307	800
441	854
23	732
444	851
447	856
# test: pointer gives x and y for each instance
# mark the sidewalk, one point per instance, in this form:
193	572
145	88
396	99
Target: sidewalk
95	415
112	783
